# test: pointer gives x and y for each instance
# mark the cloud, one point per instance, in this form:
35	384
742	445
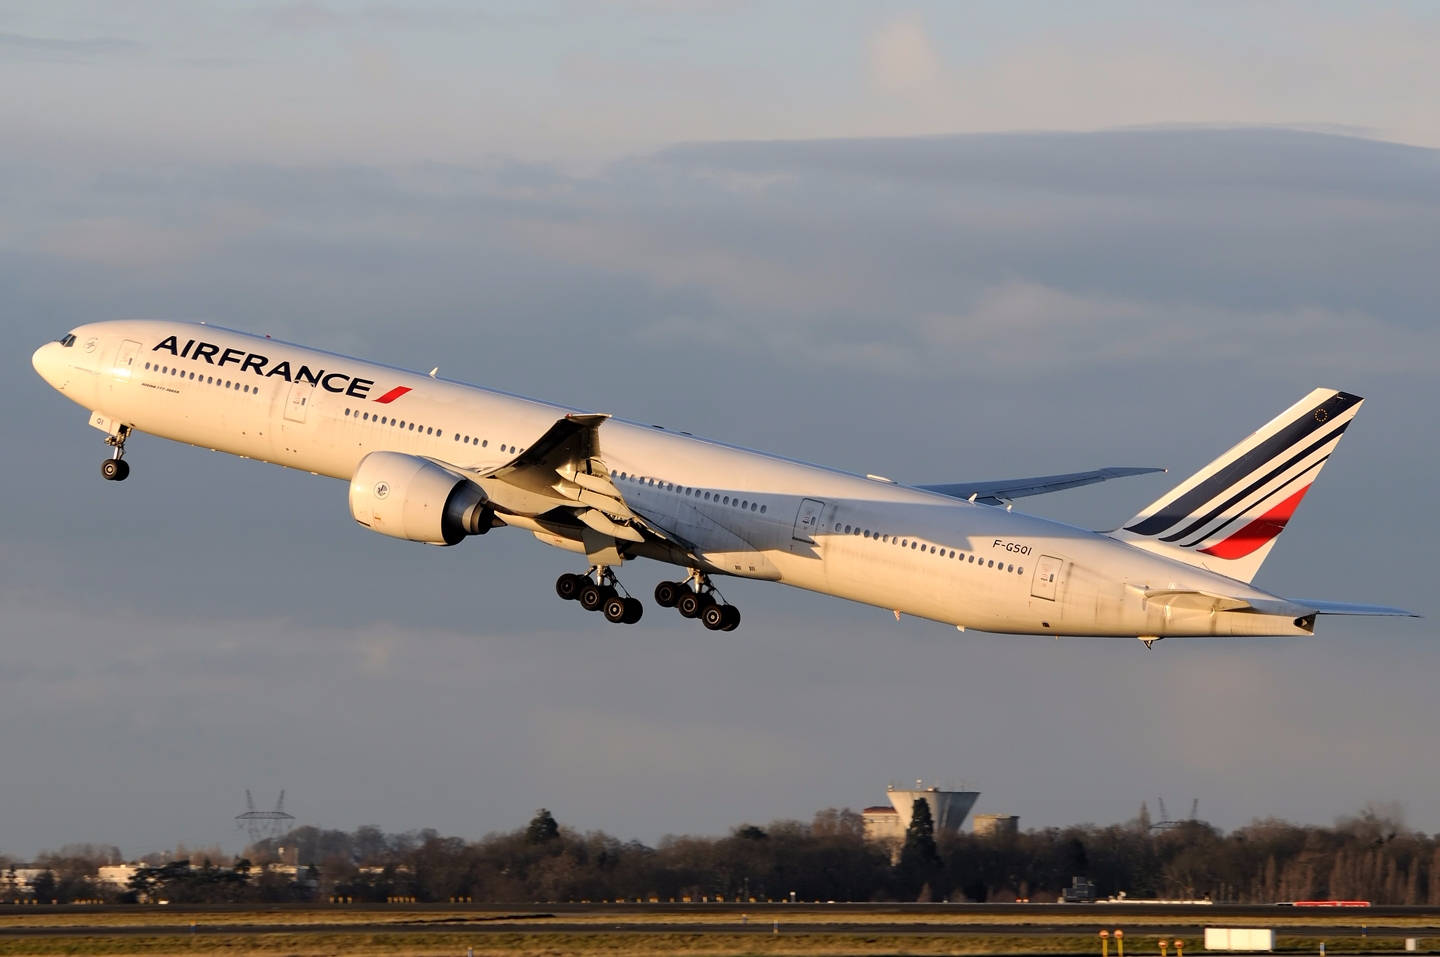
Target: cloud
18	46
933	309
902	60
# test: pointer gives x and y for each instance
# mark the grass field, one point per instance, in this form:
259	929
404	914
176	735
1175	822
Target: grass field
631	931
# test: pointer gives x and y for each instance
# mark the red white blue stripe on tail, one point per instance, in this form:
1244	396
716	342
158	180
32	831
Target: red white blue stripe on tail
1227	516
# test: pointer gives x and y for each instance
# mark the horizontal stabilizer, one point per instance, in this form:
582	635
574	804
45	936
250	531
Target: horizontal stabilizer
1003	490
1347	608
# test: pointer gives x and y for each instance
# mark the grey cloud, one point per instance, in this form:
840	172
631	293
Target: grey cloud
19	46
1016	305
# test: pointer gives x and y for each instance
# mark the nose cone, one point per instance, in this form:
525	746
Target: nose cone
47	362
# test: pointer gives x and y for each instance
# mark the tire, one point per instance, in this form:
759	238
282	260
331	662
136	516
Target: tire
667	594
732	618
633	611
616	609
114	470
713	617
591	597
568	586
691	604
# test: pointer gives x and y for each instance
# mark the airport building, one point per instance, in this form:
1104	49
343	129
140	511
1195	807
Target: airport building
948	809
996	825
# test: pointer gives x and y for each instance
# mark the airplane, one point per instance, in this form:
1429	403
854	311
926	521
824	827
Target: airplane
436	461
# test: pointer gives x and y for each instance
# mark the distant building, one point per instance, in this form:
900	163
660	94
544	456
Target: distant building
996	825
19	880
882	823
116	875
889	824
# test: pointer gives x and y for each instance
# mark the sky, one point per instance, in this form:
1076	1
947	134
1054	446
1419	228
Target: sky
938	242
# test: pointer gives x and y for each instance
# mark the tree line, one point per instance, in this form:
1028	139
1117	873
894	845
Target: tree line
1368	856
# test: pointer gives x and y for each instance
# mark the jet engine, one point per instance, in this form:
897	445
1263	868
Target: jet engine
405	496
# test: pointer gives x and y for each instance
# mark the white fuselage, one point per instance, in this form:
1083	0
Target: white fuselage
751	514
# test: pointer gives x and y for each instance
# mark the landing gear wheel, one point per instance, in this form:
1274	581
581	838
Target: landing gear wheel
732	618
568	586
713	617
692	603
593	596
616	609
668	593
633	611
114	470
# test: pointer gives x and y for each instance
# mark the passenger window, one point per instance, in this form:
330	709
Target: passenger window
762	509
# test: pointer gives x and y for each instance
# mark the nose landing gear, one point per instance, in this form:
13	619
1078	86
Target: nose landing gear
601	593
115	468
698	601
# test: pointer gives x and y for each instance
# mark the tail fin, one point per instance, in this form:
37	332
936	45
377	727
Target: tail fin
1227	516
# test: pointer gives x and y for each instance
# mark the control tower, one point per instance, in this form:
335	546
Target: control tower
948	810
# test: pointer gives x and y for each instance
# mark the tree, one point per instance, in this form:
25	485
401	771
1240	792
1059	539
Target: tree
920	835
920	868
543	829
44	886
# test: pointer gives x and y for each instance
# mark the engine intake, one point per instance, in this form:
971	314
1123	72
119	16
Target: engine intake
405	496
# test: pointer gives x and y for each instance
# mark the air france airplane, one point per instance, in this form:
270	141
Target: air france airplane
434	461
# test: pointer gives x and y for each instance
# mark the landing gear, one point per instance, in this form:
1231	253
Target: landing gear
668	593
115	468
600	593
698	601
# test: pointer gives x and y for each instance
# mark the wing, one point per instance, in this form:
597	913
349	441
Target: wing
1001	491
561	488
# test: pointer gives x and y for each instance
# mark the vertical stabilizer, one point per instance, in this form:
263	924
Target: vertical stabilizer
1227	516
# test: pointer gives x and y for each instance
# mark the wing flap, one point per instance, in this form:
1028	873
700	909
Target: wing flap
564	474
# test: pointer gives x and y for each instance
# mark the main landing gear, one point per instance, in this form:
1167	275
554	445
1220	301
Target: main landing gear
598	590
698	601
115	468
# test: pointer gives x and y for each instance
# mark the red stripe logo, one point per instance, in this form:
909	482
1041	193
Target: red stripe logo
1258	532
393	394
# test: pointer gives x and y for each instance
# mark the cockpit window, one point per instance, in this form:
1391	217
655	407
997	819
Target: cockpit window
67	340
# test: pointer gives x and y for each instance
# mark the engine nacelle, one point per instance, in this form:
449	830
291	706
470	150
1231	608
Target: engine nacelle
405	496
